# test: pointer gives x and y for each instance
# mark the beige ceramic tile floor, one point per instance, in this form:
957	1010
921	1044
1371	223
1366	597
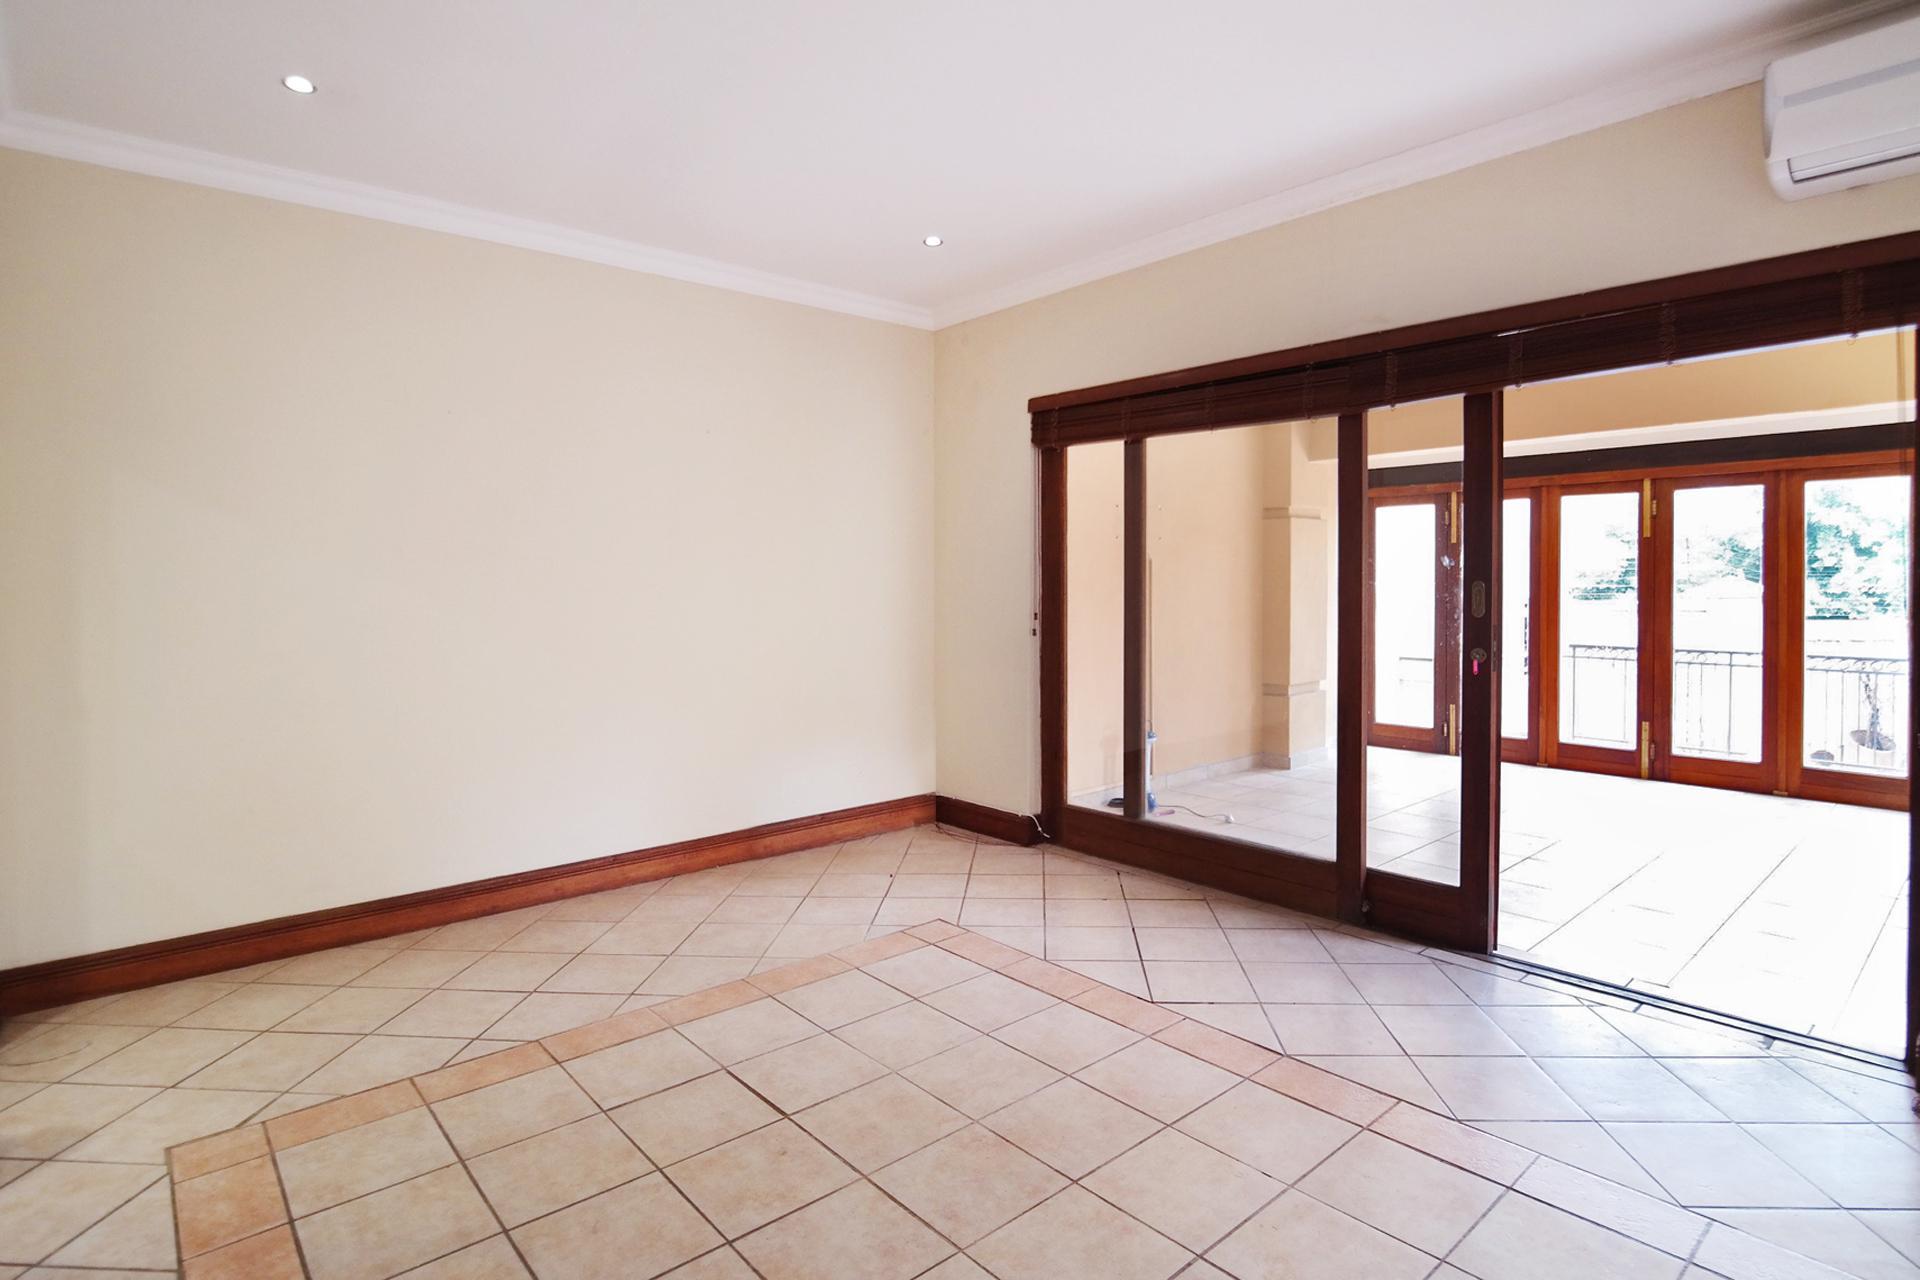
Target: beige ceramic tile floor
1787	912
1679	1123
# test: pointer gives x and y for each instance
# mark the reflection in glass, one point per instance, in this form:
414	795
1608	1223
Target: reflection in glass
1719	625
1600	619
1240	608
1855	708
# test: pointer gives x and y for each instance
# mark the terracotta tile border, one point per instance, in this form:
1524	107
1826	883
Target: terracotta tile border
884	947
477	1073
701	1004
982	951
1493	1158
1131	1012
218	1209
798	974
1210	1044
231	1215
1050	978
1323	1089
327	1118
271	1255
567	1045
219	1151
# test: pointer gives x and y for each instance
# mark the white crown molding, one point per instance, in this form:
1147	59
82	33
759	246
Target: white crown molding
1725	68
50	137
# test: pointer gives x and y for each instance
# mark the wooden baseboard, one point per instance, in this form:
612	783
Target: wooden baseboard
982	820
56	982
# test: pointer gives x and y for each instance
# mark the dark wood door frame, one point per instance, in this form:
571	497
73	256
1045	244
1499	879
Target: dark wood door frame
1820	293
1353	712
1480	665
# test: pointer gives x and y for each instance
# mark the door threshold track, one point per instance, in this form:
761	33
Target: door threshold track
1732	1022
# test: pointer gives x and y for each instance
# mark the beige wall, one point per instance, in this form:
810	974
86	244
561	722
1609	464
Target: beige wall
341	559
1675	191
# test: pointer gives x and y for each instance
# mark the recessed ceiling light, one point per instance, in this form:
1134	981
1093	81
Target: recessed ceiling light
933	242
299	84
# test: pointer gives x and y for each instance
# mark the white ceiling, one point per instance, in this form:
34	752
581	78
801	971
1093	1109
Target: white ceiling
802	149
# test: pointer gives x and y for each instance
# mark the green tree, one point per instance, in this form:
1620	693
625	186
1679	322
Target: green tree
1856	555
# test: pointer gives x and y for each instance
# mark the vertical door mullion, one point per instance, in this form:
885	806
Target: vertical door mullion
1133	611
1482	489
1546	631
1793	631
1354	634
1656	630
1774	564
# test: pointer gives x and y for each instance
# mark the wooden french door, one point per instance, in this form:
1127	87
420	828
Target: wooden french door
1413	672
1846	678
1738	628
1595	689
1713	635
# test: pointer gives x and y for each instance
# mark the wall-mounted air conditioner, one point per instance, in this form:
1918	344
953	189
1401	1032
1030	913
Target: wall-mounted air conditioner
1846	113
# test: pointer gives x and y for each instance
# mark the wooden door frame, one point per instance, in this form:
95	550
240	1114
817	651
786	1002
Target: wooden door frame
1670	765
1438	738
1589	757
1782	299
1837	785
1524	750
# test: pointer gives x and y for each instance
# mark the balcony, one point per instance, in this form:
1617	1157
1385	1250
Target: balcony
1855	706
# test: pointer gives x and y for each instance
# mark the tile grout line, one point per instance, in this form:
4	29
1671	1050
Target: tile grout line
471	1041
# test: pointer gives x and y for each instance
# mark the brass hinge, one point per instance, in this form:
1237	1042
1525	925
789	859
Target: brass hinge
1453	728
1646	748
1648	508
1453	519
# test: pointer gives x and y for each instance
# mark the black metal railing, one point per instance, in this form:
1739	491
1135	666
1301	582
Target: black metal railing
1854	711
1858	706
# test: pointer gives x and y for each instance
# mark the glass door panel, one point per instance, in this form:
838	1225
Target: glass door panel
1240	601
1854	707
1600	619
1516	614
1095	702
1718	668
1406	611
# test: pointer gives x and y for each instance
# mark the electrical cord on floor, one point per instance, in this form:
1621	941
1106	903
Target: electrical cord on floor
1210	817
